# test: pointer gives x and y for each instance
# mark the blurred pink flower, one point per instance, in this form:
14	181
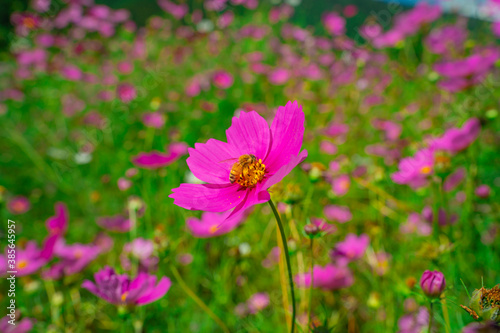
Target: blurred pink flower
18	205
222	79
341	185
126	92
340	214
117	223
155	159
153	119
257	302
334	23
213	224
279	76
455	140
482	191
330	277
352	248
454	179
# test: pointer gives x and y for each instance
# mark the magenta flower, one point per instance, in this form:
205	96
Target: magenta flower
414	322
279	76
121	290
482	191
156	159
334	23
126	92
323	225
18	205
454	179
153	119
117	223
258	302
30	258
141	250
446	39
72	73
222	79
432	283
272	153
415	170
23	326
74	258
455	140
330	277
58	224
213	224
341	184
340	214
352	248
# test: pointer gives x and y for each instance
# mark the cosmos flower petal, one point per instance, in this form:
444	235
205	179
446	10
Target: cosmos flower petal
285	169
287	130
90	286
208	197
156	293
210	162
253	197
250	134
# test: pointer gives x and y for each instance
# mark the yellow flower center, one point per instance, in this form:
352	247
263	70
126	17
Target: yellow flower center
124	296
22	264
29	22
213	229
425	170
248	171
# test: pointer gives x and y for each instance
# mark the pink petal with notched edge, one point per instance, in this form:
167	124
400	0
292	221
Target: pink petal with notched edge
208	197
209	161
285	169
250	134
287	133
158	292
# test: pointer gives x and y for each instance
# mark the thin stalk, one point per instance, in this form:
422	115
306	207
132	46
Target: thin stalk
431	315
311	285
197	300
287	256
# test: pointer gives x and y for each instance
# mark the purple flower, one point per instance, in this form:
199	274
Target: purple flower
18	205
126	92
341	184
213	224
416	224
352	248
414	322
334	23
58	224
72	73
117	223
177	11
454	179
153	119
340	214
268	153
257	302
155	159
432	283
121	290
22	326
74	258
222	79
455	140
323	226
447	39
141	250
414	171
272	258
330	277
482	191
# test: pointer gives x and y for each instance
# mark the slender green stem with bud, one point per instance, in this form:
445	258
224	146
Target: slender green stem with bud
311	286
287	256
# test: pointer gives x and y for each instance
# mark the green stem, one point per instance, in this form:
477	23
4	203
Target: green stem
287	256
431	315
311	285
197	300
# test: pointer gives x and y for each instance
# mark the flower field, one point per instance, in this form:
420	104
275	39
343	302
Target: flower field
225	168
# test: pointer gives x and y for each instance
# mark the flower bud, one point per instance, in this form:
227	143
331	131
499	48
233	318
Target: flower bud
311	229
432	283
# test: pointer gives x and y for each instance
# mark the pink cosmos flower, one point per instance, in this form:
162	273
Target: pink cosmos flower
153	119
58	224
454	179
141	250
177	11
482	191
258	302
18	205
340	214
72	73
124	184
30	258
330	277
22	326
126	92
279	76
117	223
334	23
414	322
415	170
352	248
121	290
323	225
341	185
156	159
455	140
275	151
222	79
211	224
